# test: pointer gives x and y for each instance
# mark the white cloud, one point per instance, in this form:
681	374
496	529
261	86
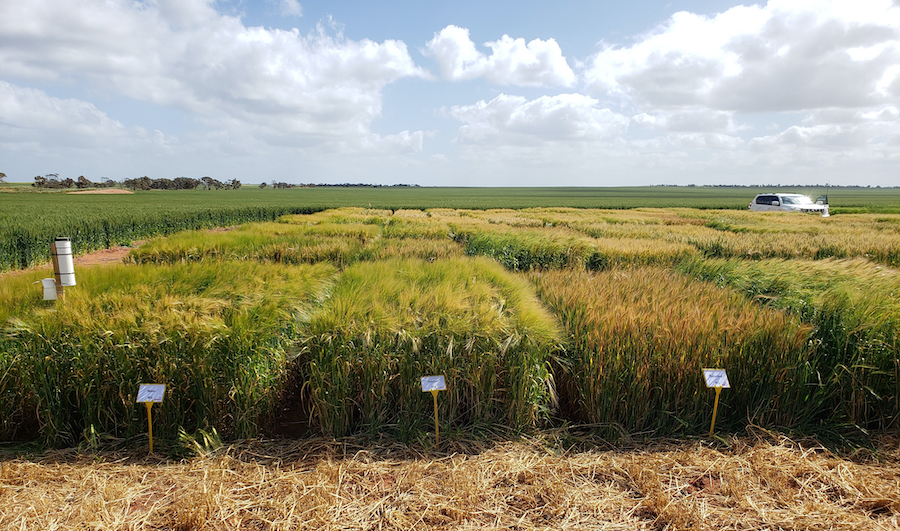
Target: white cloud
291	8
29	115
884	114
691	120
514	119
184	55
699	141
402	142
830	136
512	61
786	56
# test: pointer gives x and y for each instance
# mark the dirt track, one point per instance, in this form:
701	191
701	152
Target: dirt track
113	255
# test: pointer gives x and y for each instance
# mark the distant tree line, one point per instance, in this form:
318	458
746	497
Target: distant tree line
52	181
770	186
180	183
276	184
360	185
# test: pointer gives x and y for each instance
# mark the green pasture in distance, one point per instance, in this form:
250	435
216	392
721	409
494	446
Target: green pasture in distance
29	220
18	204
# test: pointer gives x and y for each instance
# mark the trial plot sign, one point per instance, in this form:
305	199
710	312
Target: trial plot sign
433	383
716	378
151	393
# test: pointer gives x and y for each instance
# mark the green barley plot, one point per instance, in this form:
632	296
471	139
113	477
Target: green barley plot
218	335
388	323
853	307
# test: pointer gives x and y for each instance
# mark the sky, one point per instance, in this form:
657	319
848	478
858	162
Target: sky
463	93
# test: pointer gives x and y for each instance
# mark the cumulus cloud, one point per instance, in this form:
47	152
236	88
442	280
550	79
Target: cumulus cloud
183	54
691	120
785	56
832	137
514	119
694	141
29	115
402	142
291	8
883	114
511	62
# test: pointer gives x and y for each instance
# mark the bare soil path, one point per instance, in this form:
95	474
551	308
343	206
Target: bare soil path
113	255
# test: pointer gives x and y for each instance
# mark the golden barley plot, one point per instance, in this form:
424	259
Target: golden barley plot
853	307
640	337
755	235
340	237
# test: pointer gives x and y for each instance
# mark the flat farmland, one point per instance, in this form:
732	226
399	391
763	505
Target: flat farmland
572	338
29	221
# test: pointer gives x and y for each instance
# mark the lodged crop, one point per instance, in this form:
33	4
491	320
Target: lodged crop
853	309
639	339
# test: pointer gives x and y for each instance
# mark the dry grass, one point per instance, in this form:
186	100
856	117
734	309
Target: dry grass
748	483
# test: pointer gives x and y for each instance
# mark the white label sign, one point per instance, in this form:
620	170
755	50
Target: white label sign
151	392
433	383
716	378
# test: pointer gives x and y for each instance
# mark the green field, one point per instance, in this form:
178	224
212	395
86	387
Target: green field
30	220
539	318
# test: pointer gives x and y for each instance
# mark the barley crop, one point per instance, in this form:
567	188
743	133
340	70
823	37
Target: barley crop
854	308
639	337
390	322
219	336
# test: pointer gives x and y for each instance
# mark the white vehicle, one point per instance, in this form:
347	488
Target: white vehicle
779	202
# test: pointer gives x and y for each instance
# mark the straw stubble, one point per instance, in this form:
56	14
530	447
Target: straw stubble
319	484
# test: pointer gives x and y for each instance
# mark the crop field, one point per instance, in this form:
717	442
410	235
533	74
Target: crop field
575	327
29	220
537	317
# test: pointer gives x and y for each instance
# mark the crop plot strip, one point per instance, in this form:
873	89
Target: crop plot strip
339	312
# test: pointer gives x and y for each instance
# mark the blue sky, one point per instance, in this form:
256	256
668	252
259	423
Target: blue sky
453	94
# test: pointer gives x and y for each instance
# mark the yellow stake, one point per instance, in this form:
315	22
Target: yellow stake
715	410
150	423
437	434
